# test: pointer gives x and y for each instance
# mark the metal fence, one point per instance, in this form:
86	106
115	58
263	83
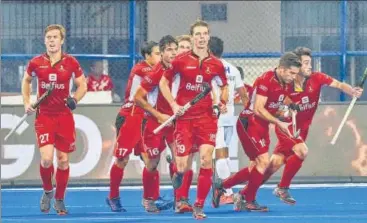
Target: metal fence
255	33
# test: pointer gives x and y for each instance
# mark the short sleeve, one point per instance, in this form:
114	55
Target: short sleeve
262	87
221	78
77	69
31	68
324	79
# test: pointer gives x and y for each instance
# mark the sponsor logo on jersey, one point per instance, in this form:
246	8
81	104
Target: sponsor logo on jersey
190	67
263	87
195	87
146	69
45	85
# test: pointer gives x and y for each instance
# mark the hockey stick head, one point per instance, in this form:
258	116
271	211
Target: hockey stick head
363	79
206	89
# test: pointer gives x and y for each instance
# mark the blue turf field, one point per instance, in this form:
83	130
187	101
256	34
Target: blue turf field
320	204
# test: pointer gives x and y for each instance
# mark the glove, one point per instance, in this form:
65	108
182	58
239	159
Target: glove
294	107
71	103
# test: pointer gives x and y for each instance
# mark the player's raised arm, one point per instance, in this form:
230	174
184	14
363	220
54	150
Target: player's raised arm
346	88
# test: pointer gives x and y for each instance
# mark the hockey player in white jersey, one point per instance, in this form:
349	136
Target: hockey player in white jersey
226	122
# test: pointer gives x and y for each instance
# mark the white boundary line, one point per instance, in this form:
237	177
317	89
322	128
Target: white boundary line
294	186
82	219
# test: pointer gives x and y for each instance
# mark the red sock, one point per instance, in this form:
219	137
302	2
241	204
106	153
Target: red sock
183	191
46	176
116	175
172	169
150	184
255	181
62	178
204	184
292	166
238	178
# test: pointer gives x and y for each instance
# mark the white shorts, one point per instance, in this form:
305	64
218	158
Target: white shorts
224	137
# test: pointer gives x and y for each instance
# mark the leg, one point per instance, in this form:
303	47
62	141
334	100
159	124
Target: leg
46	172
46	138
292	166
222	161
295	151
150	182
183	144
181	194
129	134
276	161
256	147
204	181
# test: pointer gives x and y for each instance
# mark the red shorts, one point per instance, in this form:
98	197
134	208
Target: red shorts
253	136
285	143
194	132
58	130
129	128
154	144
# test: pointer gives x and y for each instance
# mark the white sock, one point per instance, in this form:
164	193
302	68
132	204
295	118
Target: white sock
223	171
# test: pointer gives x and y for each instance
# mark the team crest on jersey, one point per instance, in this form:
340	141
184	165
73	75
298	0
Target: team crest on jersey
52	77
207	70
62	68
310	89
199	79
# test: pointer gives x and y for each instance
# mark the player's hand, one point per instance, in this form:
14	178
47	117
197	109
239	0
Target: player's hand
162	118
283	126
71	103
29	109
222	108
177	109
357	92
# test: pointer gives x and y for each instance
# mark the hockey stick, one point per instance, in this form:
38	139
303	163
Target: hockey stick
34	106
198	97
294	125
349	110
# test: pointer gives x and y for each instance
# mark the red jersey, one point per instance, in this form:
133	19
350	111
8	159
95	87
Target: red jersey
137	74
60	75
104	83
268	85
151	84
308	98
191	74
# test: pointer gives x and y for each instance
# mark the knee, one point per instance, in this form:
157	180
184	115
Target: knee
151	165
122	162
63	162
206	161
301	151
262	162
46	163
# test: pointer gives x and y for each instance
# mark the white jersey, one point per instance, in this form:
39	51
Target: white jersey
234	82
